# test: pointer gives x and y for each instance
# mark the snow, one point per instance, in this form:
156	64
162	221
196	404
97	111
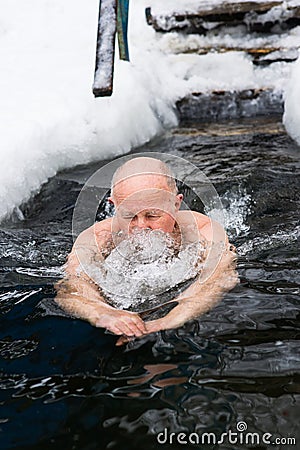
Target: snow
228	37
291	118
49	118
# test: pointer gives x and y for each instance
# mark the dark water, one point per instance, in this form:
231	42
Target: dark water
64	385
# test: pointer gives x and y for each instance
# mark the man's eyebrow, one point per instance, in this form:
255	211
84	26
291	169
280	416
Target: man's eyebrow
127	213
153	211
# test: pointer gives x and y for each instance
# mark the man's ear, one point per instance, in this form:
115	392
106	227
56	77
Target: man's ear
110	199
179	198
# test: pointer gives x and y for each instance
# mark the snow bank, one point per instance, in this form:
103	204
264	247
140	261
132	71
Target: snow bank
49	117
291	118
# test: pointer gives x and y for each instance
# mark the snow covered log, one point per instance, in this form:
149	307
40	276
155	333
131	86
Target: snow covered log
105	54
261	56
256	15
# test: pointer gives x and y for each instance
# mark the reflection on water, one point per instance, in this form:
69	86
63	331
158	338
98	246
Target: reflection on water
65	385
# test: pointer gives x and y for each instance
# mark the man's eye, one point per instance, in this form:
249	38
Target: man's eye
128	217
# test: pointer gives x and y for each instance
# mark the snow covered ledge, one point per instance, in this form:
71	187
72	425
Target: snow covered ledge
291	117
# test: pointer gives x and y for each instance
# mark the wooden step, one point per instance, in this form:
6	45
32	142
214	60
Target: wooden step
256	16
220	105
260	56
267	56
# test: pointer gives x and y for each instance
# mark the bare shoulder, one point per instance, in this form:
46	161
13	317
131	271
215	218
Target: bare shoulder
89	242
210	229
104	226
100	232
188	217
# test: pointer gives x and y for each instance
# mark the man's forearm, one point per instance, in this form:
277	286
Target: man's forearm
80	298
200	297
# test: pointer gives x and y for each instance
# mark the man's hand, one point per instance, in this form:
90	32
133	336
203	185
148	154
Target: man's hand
89	305
198	298
120	322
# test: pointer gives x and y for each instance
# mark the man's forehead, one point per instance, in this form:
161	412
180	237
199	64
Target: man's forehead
146	198
142	183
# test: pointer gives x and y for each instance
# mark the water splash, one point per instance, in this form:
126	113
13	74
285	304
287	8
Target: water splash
145	265
266	242
237	207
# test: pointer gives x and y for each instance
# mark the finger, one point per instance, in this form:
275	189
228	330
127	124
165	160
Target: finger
132	329
131	325
125	327
105	321
140	324
136	324
123	340
115	330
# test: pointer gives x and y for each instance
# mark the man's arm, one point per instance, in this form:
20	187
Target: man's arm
218	277
201	296
79	295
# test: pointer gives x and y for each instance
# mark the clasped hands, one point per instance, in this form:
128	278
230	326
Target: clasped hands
128	325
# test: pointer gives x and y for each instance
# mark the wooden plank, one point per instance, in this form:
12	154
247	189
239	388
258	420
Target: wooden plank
260	56
105	53
122	28
206	9
208	17
253	51
277	55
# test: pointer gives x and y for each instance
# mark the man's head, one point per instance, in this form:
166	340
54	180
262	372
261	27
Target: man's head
145	195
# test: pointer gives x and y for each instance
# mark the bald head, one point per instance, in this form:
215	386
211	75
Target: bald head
144	172
145	195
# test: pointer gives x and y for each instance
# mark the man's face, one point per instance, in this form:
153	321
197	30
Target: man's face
145	202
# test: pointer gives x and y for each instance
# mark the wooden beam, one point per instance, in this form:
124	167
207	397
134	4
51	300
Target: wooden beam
206	16
260	56
122	28
105	54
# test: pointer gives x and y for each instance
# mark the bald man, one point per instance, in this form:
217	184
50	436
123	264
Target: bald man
145	196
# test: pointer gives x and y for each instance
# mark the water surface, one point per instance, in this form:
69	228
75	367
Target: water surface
64	384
